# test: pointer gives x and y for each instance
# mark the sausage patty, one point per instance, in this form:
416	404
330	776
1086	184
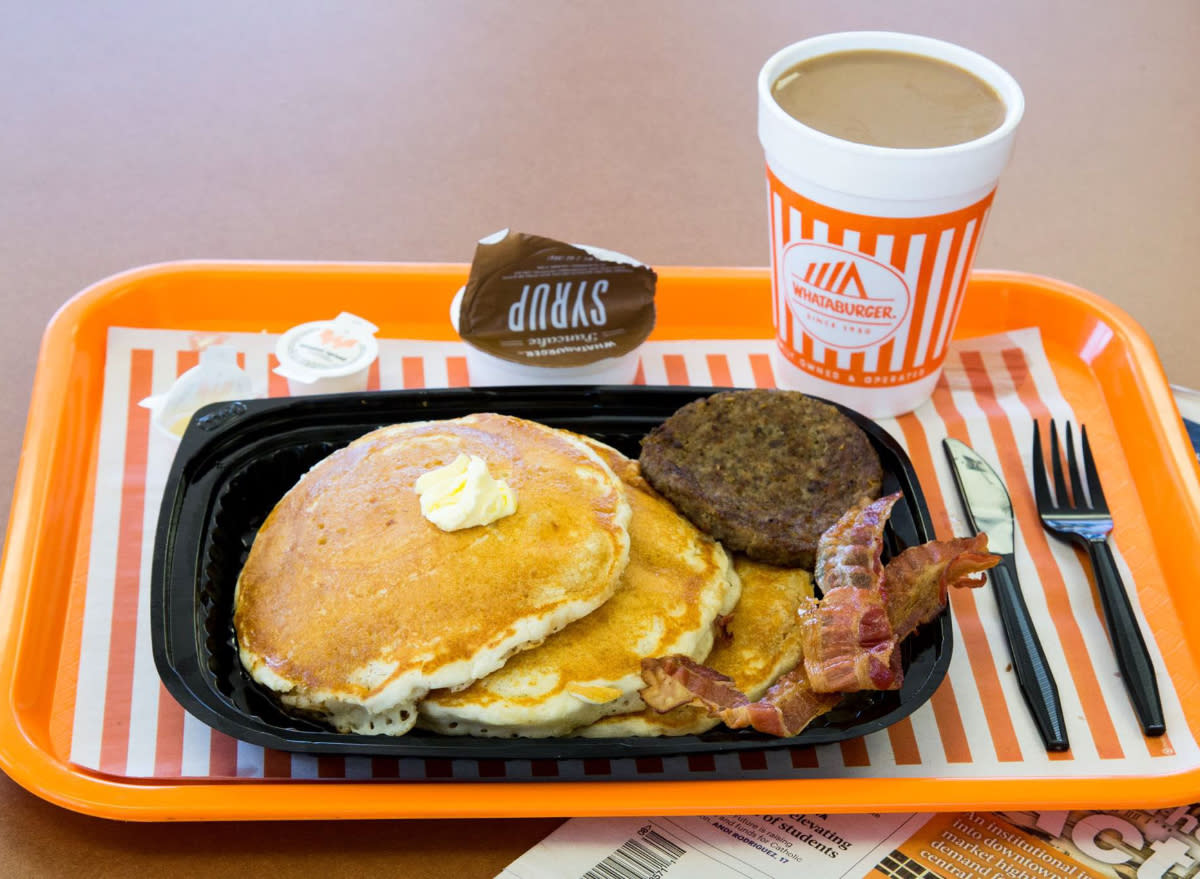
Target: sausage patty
765	472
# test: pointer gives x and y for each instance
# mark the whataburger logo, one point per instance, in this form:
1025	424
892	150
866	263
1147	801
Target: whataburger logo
843	298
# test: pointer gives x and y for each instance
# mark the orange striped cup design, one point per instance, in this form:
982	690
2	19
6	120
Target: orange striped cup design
866	301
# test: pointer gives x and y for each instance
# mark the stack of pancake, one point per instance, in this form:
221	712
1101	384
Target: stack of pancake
355	609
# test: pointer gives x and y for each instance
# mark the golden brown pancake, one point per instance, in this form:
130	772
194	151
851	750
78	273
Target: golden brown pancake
763	643
678	582
352	605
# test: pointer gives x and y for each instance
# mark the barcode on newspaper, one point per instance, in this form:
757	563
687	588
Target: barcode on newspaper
646	856
898	865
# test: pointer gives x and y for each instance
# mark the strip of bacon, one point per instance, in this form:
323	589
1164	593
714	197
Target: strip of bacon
785	710
677	680
916	586
916	582
850	552
851	636
849	643
847	637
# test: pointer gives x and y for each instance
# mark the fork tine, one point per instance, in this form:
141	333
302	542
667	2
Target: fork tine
1095	489
1060	483
1077	489
1041	488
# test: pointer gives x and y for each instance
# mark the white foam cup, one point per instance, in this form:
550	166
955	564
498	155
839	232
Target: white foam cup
871	247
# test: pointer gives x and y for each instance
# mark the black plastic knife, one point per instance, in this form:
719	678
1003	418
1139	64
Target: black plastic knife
989	510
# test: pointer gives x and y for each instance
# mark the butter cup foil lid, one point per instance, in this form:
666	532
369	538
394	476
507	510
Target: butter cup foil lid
327	348
541	302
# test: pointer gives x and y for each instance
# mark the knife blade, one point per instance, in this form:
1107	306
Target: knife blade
989	509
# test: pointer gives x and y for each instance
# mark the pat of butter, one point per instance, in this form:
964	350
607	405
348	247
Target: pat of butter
463	495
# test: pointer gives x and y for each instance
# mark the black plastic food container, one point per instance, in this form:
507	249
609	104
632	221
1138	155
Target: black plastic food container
236	460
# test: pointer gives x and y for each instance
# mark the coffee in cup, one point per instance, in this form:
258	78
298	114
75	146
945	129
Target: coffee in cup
899	100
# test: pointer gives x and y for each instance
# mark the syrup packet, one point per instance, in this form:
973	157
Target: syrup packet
539	302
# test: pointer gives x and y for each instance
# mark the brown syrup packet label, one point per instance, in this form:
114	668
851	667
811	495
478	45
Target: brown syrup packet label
542	302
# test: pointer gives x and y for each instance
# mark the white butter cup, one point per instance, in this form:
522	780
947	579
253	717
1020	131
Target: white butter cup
315	364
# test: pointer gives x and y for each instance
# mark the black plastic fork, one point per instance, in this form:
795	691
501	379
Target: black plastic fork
1082	517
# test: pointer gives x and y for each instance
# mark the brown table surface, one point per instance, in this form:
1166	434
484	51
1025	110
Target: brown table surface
135	132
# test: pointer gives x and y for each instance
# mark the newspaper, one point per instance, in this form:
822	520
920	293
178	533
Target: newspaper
970	845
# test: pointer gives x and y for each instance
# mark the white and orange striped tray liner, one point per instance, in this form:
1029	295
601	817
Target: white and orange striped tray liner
113	716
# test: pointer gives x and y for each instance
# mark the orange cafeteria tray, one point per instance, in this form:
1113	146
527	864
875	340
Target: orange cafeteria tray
1101	359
